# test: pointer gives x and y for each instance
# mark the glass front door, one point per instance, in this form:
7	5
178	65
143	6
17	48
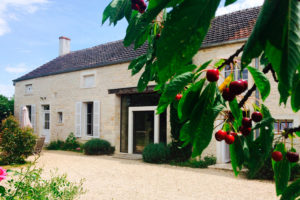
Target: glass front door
143	130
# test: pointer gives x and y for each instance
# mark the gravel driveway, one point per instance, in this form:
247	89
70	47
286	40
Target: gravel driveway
110	178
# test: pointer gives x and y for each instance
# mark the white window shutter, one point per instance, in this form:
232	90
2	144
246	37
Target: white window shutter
33	117
21	113
96	119
78	119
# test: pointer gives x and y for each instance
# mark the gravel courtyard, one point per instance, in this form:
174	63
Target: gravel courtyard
110	178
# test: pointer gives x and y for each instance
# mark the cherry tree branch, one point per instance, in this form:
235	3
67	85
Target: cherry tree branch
249	92
290	131
231	58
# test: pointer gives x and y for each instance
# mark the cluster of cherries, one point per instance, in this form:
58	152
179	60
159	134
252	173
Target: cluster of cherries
245	129
138	5
235	87
291	156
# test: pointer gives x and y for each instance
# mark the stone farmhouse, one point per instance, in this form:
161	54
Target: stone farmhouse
91	92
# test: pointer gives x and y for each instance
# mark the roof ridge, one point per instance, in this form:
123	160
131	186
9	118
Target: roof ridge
238	11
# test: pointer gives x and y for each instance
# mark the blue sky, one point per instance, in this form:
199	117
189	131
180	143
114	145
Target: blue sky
29	31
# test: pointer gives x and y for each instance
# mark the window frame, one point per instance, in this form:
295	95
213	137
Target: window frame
28	89
89	115
86	74
60	117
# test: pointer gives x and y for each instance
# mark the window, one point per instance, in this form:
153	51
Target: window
29	111
89	81
89	118
60	117
236	72
46	110
28	89
280	125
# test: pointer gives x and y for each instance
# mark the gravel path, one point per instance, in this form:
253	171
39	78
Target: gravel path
110	178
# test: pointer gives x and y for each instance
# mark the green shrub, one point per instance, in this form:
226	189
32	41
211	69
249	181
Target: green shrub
16	143
71	143
56	145
29	184
156	153
267	173
207	161
98	147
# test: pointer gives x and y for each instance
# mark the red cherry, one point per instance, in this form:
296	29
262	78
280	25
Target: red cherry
233	133
277	156
236	87
220	135
292	156
157	36
245	130
247	122
256	116
178	97
212	75
229	139
245	83
227	95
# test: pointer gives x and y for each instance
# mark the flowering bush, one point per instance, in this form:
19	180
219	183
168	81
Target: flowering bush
16	143
29	184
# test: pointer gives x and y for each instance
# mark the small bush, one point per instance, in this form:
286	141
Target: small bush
56	145
71	143
98	147
156	153
207	161
17	143
178	153
30	184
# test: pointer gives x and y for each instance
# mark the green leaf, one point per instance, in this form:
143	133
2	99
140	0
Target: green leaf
261	82
2	190
237	154
277	32
186	68
173	3
204	66
292	191
144	79
175	86
183	33
186	134
139	26
137	64
116	10
295	98
282	170
298	133
187	102
263	123
236	112
228	2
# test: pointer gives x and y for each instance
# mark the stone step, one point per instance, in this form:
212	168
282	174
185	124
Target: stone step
128	156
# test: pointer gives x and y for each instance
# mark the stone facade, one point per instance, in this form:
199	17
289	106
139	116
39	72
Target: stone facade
62	91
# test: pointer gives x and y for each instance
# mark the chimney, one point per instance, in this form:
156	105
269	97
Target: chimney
64	45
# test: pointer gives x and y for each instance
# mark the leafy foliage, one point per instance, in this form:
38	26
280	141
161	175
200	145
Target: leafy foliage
6	107
98	147
55	145
193	163
71	143
261	82
16	143
29	184
156	153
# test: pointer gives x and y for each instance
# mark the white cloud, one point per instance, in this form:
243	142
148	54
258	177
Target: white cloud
19	69
239	6
22	6
7	90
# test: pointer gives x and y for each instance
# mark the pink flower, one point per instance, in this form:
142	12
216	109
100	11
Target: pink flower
78	149
3	173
